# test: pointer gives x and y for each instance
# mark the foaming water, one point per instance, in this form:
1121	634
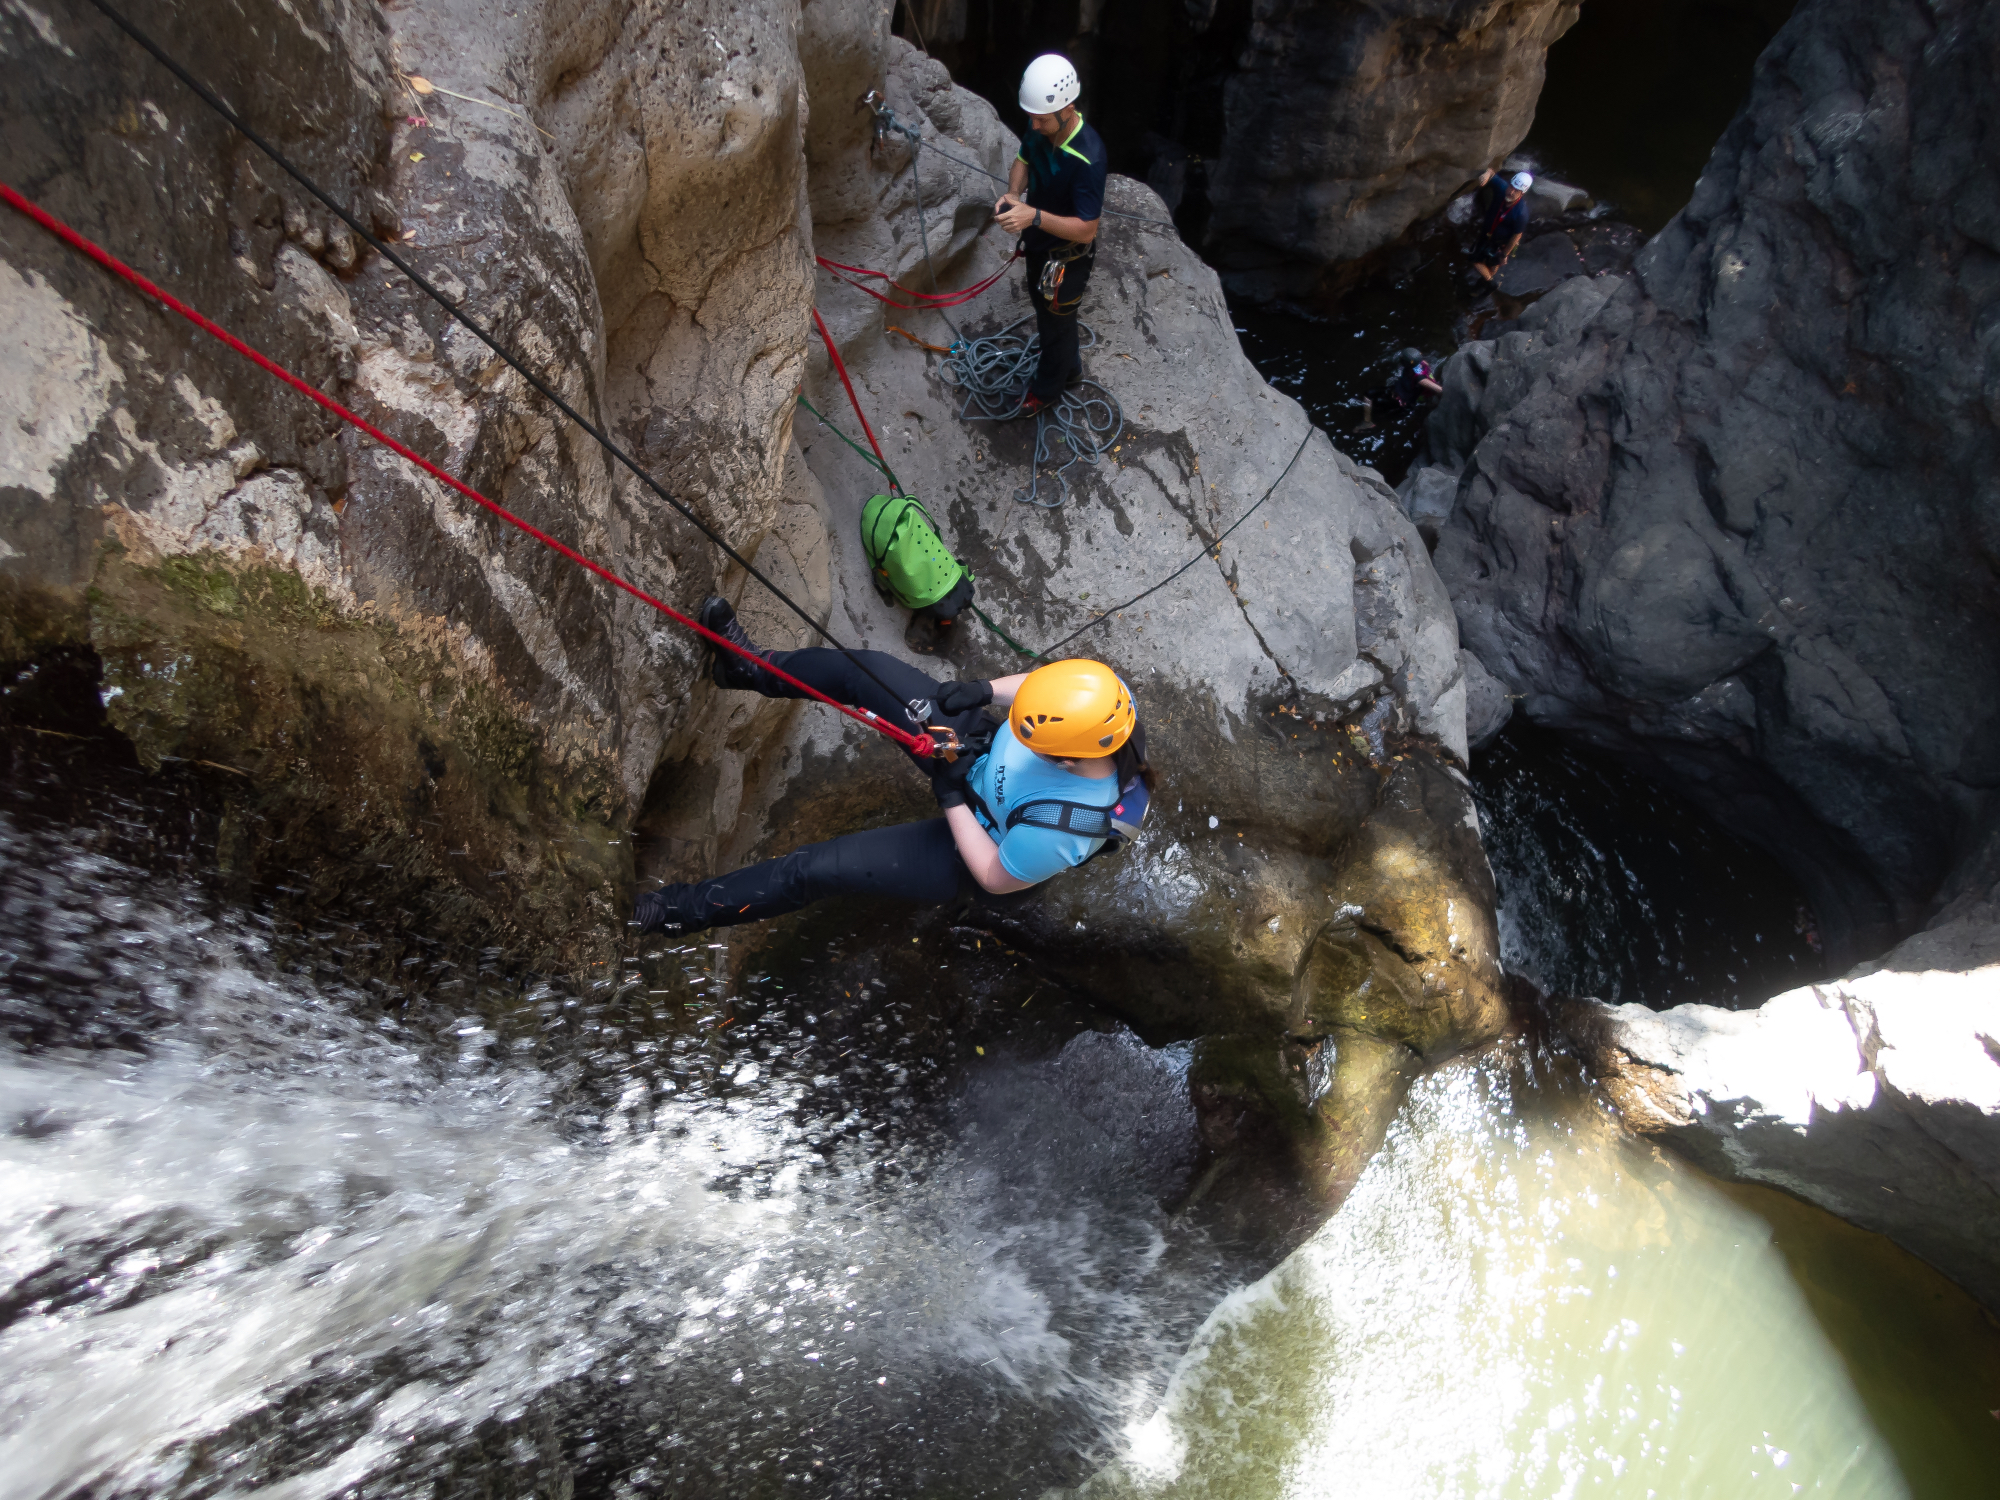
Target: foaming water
1517	1300
283	1241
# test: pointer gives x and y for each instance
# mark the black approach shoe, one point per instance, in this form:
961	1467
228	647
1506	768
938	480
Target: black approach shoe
669	909
731	670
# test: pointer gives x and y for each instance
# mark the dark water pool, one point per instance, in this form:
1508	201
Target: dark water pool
1610	886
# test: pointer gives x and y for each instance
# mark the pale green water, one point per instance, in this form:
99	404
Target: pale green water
1518	1301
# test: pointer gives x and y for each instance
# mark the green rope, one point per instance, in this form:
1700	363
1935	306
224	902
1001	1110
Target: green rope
866	457
988	619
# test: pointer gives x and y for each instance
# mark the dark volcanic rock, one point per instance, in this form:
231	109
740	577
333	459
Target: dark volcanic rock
1737	518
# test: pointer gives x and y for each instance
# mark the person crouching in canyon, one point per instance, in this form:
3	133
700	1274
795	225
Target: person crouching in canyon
1036	795
1054	199
1412	383
1500	209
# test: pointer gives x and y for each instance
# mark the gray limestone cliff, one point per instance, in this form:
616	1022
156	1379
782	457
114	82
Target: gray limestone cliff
1347	124
387	681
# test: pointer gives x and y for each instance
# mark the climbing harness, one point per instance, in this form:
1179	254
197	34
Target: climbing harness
920	745
1208	550
465	320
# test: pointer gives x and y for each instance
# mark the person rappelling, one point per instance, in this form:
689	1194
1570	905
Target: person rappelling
1053	785
1054	200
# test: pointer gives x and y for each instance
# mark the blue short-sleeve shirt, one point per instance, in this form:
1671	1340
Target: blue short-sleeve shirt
1011	774
1066	178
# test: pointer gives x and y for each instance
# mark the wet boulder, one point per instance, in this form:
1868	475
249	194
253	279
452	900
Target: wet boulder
1730	518
1876	1096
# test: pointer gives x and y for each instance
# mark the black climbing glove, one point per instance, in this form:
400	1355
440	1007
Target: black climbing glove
961	697
948	778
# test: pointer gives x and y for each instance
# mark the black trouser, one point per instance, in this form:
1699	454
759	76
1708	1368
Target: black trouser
908	862
1056	323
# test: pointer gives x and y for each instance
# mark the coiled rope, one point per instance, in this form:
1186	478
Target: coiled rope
994	370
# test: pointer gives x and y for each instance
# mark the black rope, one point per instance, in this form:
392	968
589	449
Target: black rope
1207	548
214	102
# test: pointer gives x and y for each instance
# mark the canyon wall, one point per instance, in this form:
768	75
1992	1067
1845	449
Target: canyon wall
1735	519
1294	134
1347	124
399	696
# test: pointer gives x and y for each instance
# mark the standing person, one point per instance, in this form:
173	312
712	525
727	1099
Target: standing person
1039	799
1054	199
1412	383
1501	211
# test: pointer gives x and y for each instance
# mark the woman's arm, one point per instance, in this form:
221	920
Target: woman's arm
1004	688
980	853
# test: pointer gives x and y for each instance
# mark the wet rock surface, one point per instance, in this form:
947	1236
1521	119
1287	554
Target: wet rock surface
1255	669
1876	1097
1730	518
367	662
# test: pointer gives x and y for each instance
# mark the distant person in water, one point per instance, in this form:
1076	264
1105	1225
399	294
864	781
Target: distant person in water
1500	209
1038	794
1412	383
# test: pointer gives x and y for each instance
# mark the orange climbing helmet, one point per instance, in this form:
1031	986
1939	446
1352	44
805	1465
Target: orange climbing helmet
1075	709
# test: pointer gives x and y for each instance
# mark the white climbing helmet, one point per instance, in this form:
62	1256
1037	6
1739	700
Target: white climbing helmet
1049	84
1520	182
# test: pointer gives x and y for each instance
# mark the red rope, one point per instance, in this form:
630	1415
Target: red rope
925	301
853	400
919	745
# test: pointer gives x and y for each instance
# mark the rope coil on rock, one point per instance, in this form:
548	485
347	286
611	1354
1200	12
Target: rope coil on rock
994	370
920	745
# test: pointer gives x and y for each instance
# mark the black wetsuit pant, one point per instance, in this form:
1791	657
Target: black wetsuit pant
1056	322
907	862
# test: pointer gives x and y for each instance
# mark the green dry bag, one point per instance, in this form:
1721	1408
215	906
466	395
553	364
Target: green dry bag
909	561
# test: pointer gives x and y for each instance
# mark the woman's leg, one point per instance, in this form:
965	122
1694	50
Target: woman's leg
907	862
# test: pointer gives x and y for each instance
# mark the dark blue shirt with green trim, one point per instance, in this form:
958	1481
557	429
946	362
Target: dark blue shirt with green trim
1067	179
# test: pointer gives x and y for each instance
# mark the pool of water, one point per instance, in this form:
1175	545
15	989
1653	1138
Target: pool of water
1611	886
1521	1300
293	1203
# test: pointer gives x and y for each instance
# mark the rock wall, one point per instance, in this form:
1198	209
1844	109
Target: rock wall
1347	124
269	595
1876	1097
1312	904
1735	518
390	681
1288	135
